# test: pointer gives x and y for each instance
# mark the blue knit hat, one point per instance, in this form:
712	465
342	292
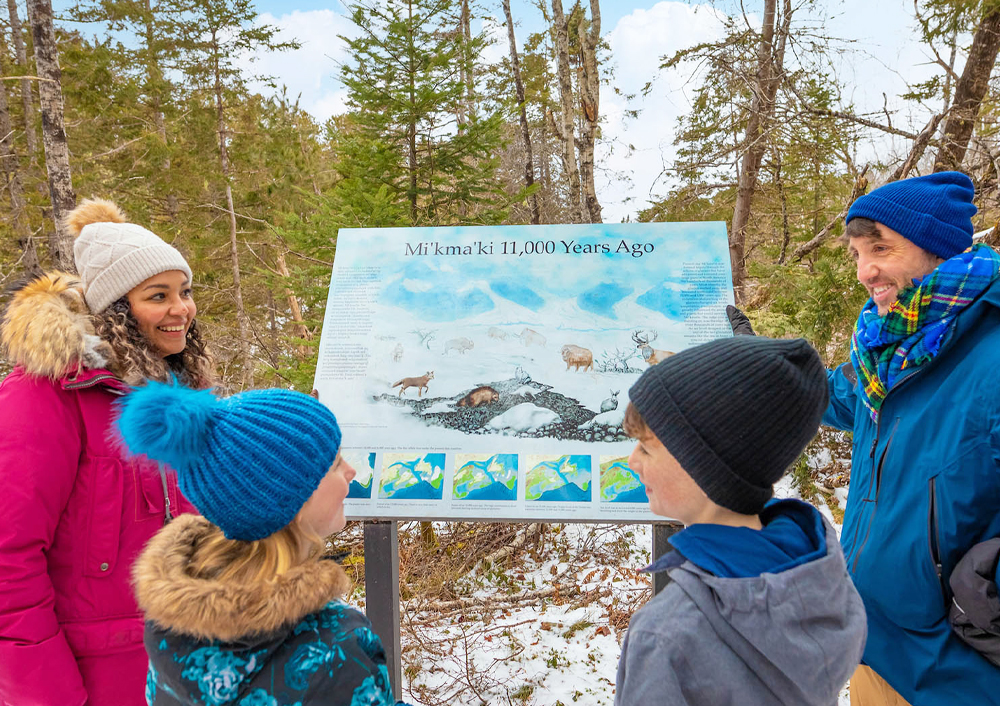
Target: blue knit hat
247	462
933	212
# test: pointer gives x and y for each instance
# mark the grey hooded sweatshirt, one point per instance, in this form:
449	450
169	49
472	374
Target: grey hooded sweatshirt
791	638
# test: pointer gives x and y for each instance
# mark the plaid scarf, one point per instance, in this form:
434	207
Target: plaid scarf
917	323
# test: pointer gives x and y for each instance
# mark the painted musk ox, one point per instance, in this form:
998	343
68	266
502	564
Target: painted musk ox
480	396
577	357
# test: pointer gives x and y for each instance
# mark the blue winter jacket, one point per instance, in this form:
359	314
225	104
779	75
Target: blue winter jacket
289	641
925	487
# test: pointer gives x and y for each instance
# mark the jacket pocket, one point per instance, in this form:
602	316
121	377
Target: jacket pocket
934	537
104	518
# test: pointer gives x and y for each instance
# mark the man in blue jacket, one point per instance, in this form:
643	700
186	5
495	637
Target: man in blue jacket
921	395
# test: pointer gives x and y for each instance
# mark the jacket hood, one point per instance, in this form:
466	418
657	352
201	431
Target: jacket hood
46	328
813	606
208	609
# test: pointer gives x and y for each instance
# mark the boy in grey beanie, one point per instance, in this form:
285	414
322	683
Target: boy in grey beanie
760	608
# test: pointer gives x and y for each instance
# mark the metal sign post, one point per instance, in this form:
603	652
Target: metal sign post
382	593
661	545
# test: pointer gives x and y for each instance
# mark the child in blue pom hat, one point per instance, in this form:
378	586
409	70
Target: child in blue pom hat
241	608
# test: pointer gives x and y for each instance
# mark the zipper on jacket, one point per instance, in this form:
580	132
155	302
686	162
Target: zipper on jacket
932	538
89	383
878	487
167	514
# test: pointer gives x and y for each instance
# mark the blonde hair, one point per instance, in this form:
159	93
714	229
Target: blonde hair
259	561
134	360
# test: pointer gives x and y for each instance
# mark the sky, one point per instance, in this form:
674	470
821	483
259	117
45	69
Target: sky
880	42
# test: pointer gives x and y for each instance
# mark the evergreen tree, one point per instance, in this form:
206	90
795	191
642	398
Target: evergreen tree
410	134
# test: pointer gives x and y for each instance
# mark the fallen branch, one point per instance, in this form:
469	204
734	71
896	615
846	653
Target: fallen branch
508	549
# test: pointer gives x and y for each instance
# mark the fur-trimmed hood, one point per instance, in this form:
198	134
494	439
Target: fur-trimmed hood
46	328
215	610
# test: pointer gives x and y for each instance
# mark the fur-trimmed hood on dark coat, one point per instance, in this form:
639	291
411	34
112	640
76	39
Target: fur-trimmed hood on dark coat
290	640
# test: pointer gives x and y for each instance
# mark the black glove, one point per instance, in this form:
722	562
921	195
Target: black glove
739	321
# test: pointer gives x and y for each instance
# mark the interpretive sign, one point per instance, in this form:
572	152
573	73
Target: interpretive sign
483	373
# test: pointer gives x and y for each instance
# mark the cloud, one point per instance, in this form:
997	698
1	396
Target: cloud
310	70
638	42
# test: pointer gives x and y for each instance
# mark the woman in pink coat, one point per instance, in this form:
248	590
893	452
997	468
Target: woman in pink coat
74	513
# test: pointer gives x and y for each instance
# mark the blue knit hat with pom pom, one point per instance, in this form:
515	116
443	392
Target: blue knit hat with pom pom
247	462
934	212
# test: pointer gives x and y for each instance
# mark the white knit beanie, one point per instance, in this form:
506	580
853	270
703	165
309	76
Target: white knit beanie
113	256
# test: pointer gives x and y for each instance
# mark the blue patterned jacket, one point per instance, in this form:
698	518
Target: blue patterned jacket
291	642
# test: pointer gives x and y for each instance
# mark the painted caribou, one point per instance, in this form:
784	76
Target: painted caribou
577	357
649	354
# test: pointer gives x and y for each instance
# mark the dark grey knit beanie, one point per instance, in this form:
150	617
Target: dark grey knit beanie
735	413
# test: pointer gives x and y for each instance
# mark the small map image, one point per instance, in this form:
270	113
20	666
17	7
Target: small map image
364	468
558	478
409	477
479	477
619	483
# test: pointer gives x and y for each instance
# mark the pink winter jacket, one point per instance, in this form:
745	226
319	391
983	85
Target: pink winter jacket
74	515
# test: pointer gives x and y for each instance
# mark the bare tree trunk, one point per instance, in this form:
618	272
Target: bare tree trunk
770	60
969	93
411	127
467	62
590	95
293	306
565	129
155	82
9	167
27	97
786	234
246	361
53	132
529	169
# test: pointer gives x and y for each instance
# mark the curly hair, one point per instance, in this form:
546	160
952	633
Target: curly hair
134	360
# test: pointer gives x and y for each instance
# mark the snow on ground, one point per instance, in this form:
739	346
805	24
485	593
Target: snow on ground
523	417
559	645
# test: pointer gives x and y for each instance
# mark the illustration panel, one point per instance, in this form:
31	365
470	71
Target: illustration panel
364	469
558	478
509	341
619	483
479	477
412	477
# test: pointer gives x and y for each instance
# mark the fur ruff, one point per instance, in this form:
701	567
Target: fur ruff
46	328
93	211
214	610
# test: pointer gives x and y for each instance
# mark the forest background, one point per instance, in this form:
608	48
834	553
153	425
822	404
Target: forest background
446	119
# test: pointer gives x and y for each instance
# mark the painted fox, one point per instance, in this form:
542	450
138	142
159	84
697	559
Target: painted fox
479	396
420	383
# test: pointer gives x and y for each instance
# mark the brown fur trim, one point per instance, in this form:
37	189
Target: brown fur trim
46	328
93	211
208	609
